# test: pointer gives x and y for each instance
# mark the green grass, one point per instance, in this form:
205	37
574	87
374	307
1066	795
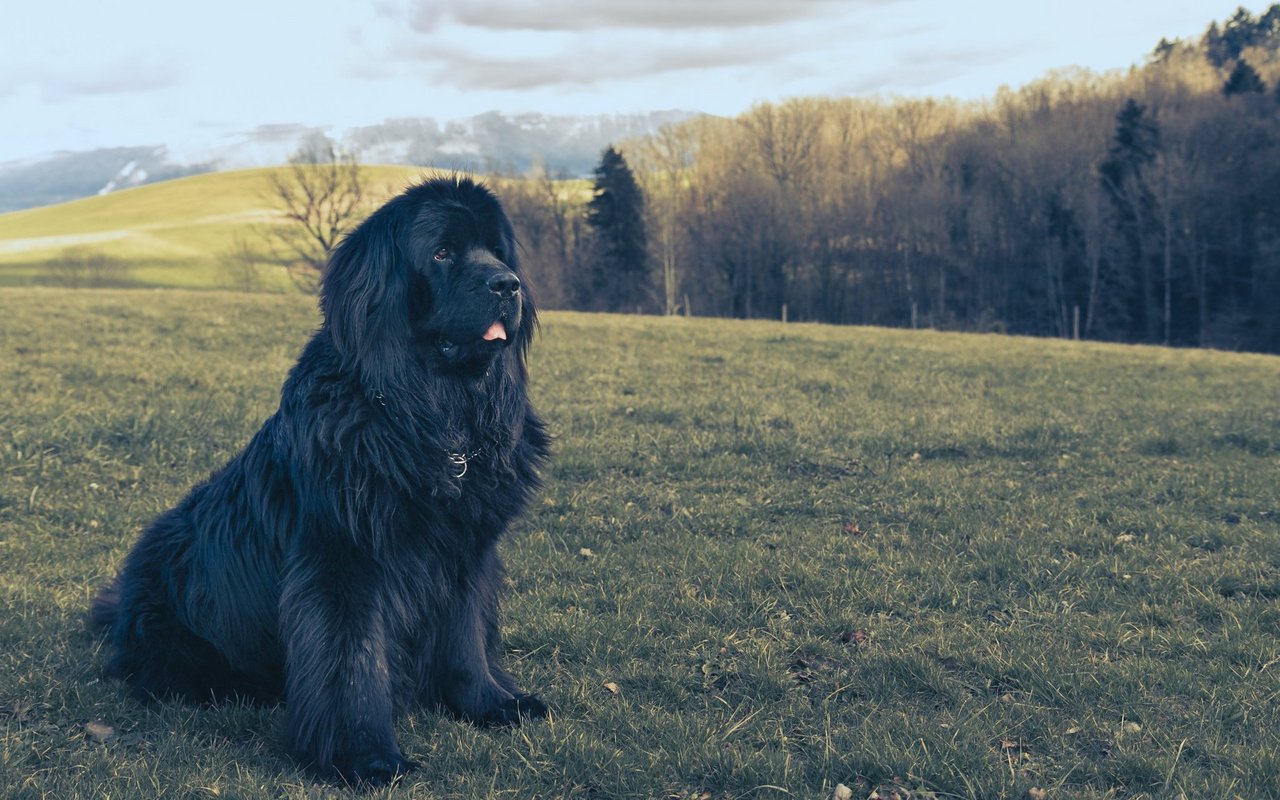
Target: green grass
946	565
173	234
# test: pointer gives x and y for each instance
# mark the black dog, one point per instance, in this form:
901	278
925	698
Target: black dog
345	560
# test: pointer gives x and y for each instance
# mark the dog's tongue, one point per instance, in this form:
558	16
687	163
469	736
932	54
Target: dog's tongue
496	331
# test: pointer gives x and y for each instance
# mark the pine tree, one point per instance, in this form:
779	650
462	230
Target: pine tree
1215	46
1164	50
1244	79
1125	180
1240	31
617	275
1269	28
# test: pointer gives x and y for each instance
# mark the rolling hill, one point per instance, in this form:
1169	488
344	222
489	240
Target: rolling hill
176	233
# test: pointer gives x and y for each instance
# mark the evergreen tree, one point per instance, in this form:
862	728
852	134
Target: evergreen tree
617	276
1240	31
1164	50
1269	27
1215	46
1125	180
1136	142
1244	79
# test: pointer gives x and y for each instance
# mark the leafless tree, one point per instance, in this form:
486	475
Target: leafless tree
241	266
663	162
79	267
546	217
320	196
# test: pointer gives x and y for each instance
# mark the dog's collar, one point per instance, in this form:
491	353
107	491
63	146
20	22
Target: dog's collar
461	461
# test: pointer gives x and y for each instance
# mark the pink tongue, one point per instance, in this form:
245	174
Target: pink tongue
496	331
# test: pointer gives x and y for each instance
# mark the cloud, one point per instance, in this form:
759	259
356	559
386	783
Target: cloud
281	132
586	64
514	45
923	68
425	16
125	76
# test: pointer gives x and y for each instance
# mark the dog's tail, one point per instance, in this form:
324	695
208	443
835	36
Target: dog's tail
102	611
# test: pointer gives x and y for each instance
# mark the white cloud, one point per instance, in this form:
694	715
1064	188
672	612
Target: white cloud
123	76
592	15
582	62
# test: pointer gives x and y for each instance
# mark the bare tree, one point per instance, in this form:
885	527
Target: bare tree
663	162
544	213
320	195
79	267
241	264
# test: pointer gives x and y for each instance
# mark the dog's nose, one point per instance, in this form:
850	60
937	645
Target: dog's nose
504	284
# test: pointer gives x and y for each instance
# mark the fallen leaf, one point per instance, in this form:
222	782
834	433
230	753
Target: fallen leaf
1128	728
21	710
585	552
99	731
611	687
842	792
1073	730
800	670
1036	793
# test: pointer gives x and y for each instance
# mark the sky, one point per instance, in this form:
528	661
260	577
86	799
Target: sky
82	74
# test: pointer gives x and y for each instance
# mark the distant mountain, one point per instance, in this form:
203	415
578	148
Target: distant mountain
70	175
493	143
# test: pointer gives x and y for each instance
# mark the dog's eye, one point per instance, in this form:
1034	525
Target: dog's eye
442	254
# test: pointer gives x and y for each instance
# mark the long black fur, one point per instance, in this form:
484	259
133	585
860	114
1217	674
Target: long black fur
340	562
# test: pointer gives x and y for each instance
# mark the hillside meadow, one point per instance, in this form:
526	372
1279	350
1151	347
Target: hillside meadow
768	560
176	233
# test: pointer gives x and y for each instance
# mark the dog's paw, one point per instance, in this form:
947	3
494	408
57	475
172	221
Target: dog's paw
514	710
374	770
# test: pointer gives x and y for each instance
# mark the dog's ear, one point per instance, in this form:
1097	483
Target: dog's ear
363	296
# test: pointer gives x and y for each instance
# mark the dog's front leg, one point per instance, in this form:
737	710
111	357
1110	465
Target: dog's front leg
474	686
337	682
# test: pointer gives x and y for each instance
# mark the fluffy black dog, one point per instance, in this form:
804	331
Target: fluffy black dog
345	560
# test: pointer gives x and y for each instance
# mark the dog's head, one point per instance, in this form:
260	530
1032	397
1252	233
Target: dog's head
432	278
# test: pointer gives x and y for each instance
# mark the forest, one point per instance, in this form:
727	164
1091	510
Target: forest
1134	206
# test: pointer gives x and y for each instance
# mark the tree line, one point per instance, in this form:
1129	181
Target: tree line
1138	207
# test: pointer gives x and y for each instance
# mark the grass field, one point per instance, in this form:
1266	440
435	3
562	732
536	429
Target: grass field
172	234
768	560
